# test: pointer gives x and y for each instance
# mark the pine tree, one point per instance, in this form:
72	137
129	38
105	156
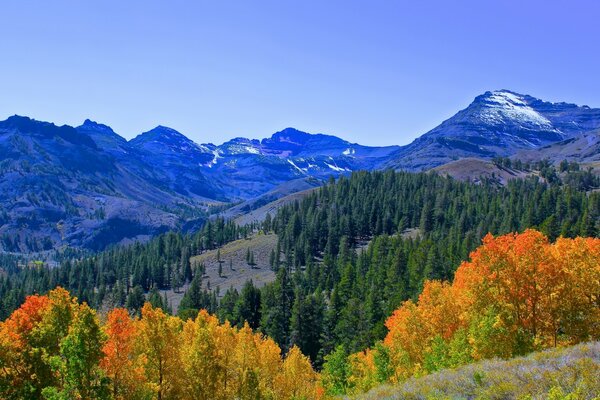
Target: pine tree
156	300
248	306
272	259
136	299
276	308
306	324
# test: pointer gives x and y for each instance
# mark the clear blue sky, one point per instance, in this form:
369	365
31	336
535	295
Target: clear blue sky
374	72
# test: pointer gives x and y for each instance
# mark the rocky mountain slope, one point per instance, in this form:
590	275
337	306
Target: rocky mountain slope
582	148
59	186
498	123
88	187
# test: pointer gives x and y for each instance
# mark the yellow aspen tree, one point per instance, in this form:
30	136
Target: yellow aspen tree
201	358
159	337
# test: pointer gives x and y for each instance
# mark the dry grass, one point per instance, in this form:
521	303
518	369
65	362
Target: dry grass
571	374
473	169
260	244
260	213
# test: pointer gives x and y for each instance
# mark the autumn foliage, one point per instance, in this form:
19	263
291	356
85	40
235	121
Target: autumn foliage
518	293
53	347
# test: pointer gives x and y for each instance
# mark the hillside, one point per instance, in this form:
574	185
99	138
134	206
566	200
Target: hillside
501	303
550	374
259	214
235	270
257	208
474	169
369	211
87	187
59	187
583	148
433	348
350	308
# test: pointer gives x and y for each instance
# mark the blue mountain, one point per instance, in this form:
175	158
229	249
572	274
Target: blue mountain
88	187
497	123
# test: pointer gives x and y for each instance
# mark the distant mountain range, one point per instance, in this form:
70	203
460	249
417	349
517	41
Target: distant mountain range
88	187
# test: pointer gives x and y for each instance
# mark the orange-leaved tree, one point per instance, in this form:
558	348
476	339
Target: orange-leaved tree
517	293
122	364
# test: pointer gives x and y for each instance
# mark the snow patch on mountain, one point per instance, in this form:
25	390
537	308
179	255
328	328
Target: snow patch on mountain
241	146
502	106
216	157
336	168
302	170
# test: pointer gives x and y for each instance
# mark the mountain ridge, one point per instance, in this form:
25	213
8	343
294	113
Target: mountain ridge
65	185
497	123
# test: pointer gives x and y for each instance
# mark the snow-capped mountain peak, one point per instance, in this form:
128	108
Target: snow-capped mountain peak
502	106
496	123
241	145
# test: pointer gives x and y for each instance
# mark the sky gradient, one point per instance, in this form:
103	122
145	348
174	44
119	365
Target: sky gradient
373	72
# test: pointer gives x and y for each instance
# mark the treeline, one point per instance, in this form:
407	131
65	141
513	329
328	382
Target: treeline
518	293
53	347
372	204
566	172
347	256
108	279
353	293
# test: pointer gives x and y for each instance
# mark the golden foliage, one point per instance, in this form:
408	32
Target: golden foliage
154	356
518	293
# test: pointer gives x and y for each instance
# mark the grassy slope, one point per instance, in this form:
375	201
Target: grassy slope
550	374
259	214
472	169
261	274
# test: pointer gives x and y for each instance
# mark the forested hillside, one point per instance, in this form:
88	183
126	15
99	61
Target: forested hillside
344	260
362	289
517	293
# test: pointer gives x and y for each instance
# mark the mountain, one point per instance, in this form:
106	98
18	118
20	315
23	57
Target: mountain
248	168
180	160
87	186
83	186
498	123
581	148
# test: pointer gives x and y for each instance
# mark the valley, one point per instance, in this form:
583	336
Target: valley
351	262
300	200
